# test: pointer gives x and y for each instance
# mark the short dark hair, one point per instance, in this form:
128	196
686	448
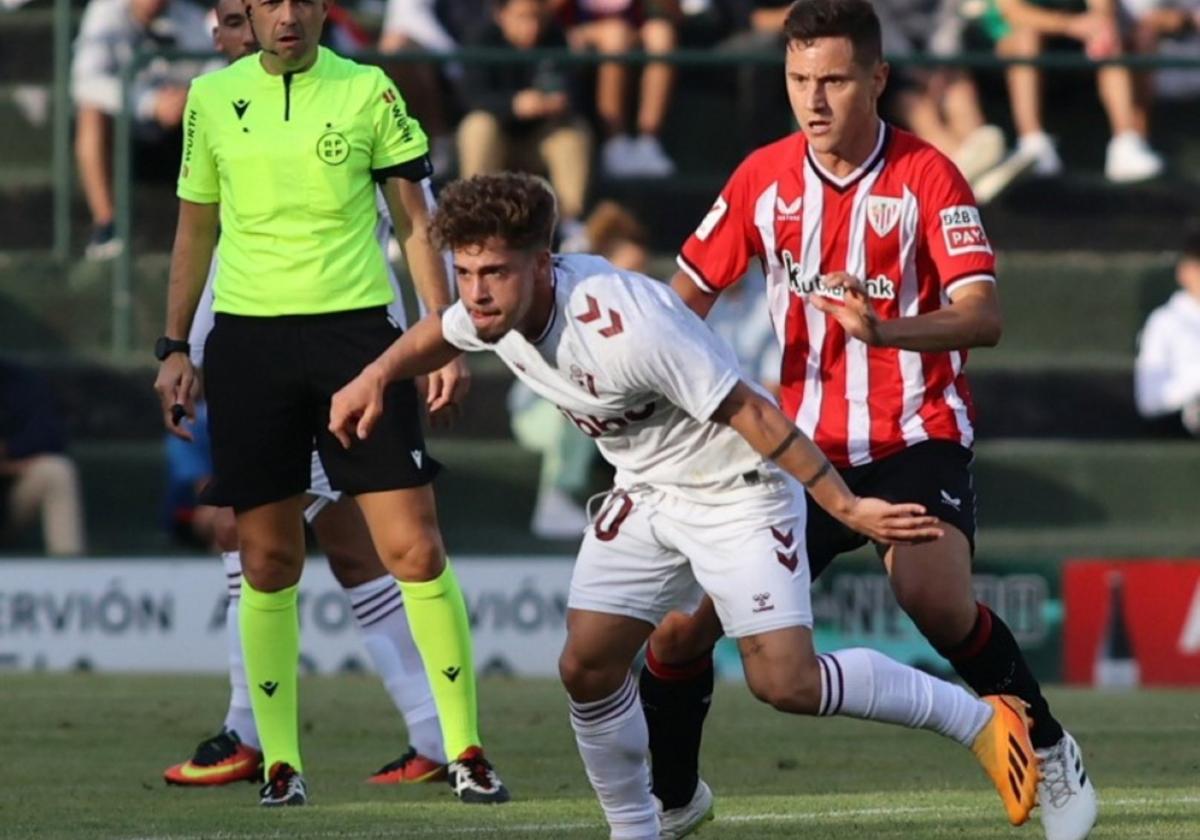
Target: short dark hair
808	20
517	208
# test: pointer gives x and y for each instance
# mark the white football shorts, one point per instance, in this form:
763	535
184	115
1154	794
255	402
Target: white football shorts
648	552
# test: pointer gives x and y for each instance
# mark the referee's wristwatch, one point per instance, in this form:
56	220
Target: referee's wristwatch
166	346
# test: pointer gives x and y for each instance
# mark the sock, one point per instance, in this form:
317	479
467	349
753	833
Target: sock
990	661
240	717
675	701
270	625
379	609
437	616
613	743
863	683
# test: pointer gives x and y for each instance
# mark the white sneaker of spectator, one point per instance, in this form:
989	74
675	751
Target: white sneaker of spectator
557	516
980	150
652	161
617	156
1035	154
1130	159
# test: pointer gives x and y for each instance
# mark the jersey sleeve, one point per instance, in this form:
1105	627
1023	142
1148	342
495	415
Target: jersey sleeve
719	250
458	330
399	139
686	362
954	234
198	177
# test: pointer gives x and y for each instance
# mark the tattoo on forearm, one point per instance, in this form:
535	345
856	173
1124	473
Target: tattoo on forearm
826	467
783	447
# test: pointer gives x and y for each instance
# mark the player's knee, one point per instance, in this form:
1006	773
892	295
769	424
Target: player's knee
796	691
677	639
269	568
420	558
587	679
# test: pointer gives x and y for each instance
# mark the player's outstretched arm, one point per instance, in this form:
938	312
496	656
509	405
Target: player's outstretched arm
697	300
354	409
191	255
411	206
773	436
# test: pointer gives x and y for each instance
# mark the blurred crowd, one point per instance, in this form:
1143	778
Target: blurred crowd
561	119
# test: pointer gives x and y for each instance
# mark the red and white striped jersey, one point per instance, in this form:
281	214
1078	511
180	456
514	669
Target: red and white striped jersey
907	225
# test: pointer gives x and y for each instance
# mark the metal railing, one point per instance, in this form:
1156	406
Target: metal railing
122	279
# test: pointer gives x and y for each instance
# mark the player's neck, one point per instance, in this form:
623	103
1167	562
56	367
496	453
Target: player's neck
275	65
858	149
542	308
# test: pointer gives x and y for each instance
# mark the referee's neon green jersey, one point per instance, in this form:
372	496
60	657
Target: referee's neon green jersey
292	160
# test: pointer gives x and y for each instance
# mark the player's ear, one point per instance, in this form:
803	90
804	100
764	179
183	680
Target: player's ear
882	71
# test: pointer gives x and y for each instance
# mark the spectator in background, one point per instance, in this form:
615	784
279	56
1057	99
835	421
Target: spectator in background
110	34
760	87
416	26
37	479
1168	28
521	115
1167	374
617	26
567	453
1020	28
940	105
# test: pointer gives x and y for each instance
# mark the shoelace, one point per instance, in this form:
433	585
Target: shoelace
1055	777
480	773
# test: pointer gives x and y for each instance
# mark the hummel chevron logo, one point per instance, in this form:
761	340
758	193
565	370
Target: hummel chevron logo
452	672
269	688
950	501
788	561
240	107
784	538
615	327
418	456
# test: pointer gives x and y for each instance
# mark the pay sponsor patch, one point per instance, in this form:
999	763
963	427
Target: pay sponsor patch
963	231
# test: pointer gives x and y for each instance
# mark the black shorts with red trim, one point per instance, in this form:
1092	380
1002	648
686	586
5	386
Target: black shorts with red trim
933	473
268	383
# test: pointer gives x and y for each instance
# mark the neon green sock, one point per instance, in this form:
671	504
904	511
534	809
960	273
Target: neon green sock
437	615
270	625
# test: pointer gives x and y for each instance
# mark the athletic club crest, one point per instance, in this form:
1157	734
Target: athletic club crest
883	213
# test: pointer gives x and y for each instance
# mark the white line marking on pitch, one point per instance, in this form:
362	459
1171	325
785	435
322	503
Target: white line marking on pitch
805	816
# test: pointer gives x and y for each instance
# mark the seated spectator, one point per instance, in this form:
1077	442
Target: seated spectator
417	26
37	479
758	28
567	453
1169	28
520	115
617	26
110	34
940	105
1167	373
1021	28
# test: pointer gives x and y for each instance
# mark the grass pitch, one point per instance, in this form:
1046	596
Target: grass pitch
81	757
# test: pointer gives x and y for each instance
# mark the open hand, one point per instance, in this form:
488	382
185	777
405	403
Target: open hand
855	312
892	524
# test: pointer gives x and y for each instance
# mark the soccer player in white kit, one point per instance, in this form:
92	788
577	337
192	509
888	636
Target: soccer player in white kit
705	493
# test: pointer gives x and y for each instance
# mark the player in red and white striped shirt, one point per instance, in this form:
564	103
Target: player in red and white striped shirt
880	278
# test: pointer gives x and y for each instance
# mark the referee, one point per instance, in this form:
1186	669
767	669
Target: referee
282	151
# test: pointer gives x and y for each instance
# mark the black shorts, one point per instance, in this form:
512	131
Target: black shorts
935	473
268	383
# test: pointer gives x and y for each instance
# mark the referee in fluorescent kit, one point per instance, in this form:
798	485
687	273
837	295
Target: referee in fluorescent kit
284	149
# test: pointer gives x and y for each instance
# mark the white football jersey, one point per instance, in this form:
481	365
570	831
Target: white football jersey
625	360
202	320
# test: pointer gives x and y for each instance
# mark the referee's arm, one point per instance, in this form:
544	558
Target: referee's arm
191	256
411	204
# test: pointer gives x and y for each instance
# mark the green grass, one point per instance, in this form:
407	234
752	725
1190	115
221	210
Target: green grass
80	758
